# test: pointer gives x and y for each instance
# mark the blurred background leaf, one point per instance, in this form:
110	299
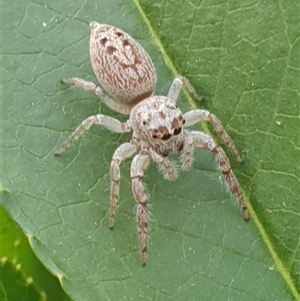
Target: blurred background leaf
22	275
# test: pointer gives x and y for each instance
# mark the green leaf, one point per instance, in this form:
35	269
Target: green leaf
22	276
14	286
244	58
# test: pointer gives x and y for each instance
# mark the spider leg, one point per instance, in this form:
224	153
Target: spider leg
124	151
187	153
202	140
167	167
105	98
99	119
178	84
139	164
198	115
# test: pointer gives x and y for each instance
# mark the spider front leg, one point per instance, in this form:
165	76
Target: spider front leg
138	166
124	151
202	140
198	115
99	119
187	153
178	84
91	87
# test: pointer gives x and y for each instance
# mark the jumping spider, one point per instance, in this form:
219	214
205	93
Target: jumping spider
128	77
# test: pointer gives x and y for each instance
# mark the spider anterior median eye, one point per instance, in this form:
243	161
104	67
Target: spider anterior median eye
166	137
177	131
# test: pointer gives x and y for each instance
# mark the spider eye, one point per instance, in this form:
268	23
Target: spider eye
177	131
154	136
144	122
166	137
183	121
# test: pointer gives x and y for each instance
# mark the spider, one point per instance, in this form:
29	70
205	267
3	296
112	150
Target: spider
128	79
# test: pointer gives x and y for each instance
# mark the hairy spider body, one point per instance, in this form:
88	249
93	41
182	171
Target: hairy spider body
127	74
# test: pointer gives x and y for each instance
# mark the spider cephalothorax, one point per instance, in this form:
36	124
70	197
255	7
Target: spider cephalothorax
156	119
127	74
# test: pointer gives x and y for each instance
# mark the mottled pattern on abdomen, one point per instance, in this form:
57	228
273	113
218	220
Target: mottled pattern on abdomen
121	65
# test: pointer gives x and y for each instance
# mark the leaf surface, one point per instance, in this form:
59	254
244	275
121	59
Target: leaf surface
244	58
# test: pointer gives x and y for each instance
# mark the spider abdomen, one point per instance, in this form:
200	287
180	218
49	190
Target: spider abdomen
122	66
